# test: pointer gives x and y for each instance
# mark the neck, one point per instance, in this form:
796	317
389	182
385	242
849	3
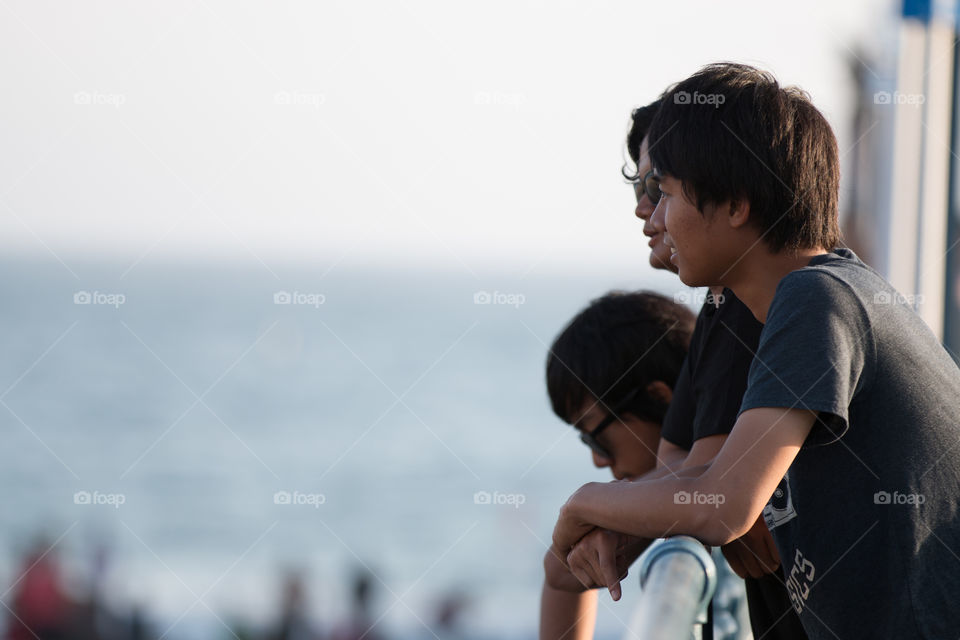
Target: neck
757	276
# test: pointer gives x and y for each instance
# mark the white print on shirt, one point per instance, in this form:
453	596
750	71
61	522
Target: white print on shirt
780	507
799	581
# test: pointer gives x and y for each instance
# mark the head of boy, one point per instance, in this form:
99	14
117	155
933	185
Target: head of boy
645	185
611	373
744	165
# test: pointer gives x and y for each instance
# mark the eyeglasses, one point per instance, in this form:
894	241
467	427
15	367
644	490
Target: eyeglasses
589	438
649	186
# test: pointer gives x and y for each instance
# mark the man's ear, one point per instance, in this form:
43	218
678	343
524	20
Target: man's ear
660	391
739	213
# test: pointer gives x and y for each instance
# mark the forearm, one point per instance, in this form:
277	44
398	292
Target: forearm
669	456
681	503
556	574
717	506
662	472
568	616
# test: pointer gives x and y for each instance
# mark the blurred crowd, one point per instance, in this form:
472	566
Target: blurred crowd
38	606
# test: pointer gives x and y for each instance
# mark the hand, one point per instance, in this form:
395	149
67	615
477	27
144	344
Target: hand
602	559
753	554
558	576
570	528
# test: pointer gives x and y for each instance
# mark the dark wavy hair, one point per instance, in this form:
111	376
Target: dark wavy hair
731	133
621	342
640	118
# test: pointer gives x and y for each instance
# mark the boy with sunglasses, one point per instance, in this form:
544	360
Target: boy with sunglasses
849	391
611	374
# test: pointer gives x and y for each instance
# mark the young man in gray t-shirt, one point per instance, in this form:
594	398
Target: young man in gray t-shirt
850	425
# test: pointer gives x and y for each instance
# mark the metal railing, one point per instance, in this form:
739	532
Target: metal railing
677	579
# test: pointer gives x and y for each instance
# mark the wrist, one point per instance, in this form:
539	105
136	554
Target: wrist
578	505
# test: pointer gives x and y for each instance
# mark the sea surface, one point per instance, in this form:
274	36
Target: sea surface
215	425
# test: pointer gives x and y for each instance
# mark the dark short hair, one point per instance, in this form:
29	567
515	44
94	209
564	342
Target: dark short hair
731	133
621	342
640	118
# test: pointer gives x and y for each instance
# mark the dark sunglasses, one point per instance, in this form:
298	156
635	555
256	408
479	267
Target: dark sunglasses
649	186
589	438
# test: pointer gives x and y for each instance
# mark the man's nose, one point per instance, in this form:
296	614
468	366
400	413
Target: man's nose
600	461
658	217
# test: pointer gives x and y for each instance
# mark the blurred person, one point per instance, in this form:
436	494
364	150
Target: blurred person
40	610
360	624
137	627
852	407
448	614
294	623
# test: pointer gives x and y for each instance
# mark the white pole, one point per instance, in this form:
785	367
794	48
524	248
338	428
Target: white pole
677	578
902	239
935	186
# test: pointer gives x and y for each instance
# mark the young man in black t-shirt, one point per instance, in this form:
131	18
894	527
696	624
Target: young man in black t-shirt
707	399
702	412
849	391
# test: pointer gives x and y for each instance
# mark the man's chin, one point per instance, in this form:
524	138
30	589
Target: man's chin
658	262
689	279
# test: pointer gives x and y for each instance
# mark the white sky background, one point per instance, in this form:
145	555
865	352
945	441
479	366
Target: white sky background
449	134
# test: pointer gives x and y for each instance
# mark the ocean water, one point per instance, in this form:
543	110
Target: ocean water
211	437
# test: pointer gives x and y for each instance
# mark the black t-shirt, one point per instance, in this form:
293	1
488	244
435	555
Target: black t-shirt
706	401
707	395
867	520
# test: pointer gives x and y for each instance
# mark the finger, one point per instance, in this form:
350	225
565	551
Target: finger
580	567
592	566
561	556
733	559
751	562
773	561
608	571
581	574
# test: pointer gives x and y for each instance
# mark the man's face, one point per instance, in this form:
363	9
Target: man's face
659	252
701	245
632	442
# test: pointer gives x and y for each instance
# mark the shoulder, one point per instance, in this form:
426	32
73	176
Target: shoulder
824	287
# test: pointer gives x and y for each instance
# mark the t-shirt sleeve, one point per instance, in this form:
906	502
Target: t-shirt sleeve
813	352
723	370
678	422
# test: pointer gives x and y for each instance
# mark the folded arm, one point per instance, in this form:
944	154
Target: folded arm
719	504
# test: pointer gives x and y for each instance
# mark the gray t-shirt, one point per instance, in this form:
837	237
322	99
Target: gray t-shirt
867	520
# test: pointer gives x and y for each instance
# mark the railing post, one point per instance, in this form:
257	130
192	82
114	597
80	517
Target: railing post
677	578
